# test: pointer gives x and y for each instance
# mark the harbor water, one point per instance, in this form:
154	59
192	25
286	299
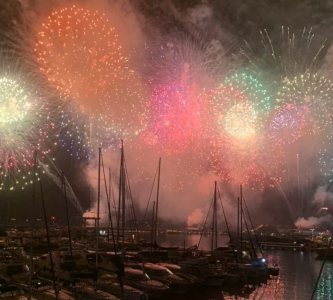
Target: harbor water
298	274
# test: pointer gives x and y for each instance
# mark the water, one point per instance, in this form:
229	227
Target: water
298	274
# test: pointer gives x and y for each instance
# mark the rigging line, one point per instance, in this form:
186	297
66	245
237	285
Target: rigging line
131	204
203	228
110	220
323	263
248	232
130	193
255	234
226	222
151	191
47	230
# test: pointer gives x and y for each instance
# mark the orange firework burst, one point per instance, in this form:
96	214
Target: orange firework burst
79	52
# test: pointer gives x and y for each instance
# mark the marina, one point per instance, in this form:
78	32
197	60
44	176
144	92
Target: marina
295	279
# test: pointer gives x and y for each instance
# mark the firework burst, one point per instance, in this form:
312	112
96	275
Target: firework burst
188	58
313	94
287	125
174	118
79	52
25	125
235	134
251	162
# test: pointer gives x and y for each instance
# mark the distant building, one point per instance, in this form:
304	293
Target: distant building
193	229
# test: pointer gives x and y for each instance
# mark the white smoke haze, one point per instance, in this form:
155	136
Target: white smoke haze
195	217
321	198
200	14
312	222
322	195
188	204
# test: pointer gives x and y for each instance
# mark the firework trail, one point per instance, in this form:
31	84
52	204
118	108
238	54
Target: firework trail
25	122
287	56
193	59
313	94
55	175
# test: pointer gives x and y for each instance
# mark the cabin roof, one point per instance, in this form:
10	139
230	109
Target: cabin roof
133	271
154	267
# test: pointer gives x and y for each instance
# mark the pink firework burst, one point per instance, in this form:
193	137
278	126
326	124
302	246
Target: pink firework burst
173	118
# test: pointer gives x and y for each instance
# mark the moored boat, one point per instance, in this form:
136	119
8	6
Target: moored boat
110	284
140	280
177	284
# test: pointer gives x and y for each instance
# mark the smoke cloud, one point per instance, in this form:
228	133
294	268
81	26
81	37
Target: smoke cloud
312	222
322	195
195	217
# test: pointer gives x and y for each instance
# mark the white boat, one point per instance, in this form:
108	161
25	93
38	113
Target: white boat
197	281
201	267
110	284
89	293
140	280
177	284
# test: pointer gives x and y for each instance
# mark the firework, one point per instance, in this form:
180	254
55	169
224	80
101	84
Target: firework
188	58
79	52
174	118
326	158
240	120
286	56
251	162
24	126
240	108
311	93
287	124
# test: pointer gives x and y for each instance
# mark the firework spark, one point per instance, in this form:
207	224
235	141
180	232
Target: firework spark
287	56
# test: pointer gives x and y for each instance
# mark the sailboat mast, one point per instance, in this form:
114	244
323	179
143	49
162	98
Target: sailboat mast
237	241
157	196
123	203
67	214
120	189
152	228
241	223
215	209
98	202
32	223
48	238
109	227
214	223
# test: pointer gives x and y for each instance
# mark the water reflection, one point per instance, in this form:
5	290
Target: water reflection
297	278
